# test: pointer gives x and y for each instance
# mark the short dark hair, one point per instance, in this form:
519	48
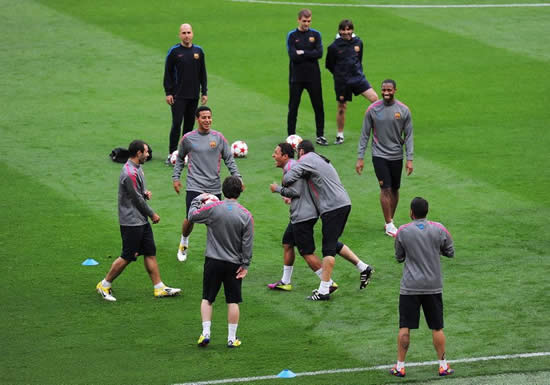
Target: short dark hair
391	81
202	108
346	23
306	145
286	149
232	187
135	146
304	13
419	207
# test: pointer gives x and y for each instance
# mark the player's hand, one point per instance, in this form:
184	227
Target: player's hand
273	186
148	195
241	272
204	99
155	218
359	166
177	186
409	167
170	99
287	200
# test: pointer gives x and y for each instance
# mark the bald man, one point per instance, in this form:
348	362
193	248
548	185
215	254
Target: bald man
184	81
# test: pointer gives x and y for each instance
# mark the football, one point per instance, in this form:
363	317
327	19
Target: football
294	141
239	149
174	157
208	199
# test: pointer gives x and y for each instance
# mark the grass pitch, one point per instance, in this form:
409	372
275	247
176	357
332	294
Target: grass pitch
79	78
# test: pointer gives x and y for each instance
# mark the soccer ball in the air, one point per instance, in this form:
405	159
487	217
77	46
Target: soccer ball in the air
239	149
208	199
294	141
174	158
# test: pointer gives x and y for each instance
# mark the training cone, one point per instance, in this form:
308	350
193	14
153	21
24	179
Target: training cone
286	374
90	262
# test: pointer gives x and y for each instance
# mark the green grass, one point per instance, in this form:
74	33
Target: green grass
79	78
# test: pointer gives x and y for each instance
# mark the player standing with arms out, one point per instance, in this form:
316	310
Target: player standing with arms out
334	206
184	79
305	48
135	229
391	124
205	149
345	62
229	239
419	244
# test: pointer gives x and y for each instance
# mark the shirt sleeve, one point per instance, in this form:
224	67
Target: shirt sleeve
330	60
180	160
365	135
447	246
409	142
295	173
399	250
247	243
228	159
203	76
169	77
197	214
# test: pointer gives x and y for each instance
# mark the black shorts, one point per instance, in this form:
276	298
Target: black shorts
190	195
409	310
217	272
137	240
388	172
334	223
303	236
344	89
288	236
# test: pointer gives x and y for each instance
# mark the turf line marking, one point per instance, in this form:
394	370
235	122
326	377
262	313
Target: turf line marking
516	5
379	367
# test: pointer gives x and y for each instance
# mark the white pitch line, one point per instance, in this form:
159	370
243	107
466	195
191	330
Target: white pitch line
379	367
516	5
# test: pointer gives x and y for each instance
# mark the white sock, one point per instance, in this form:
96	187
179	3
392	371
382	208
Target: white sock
340	135
319	273
361	266
324	287
105	283
390	222
443	364
400	365
287	274
232	332
184	241
159	285
206	328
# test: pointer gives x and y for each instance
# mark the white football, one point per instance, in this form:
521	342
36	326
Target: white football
208	199
294	141
174	158
239	149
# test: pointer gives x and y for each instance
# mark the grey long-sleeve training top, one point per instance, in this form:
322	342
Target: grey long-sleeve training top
391	127
324	183
230	230
419	244
133	209
205	153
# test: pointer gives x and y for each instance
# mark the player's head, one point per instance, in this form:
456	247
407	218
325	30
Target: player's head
204	118
282	153
186	34
139	151
304	19
419	208
345	29
305	146
232	187
388	90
